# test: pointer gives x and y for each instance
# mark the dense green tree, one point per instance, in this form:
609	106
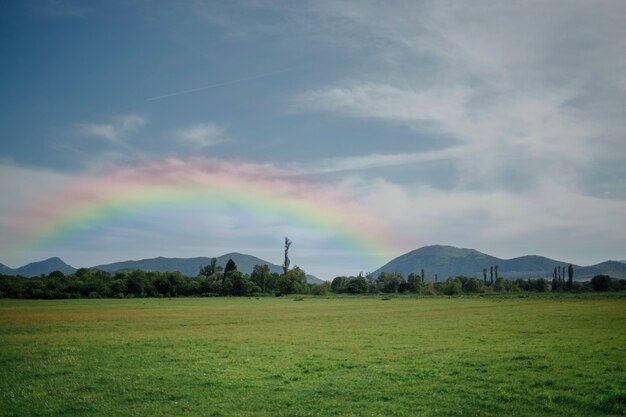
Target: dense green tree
601	283
473	285
56	275
162	285
618	284
357	285
319	289
236	283
293	282
211	268
261	276
230	266
339	285
137	283
451	287
413	283
389	282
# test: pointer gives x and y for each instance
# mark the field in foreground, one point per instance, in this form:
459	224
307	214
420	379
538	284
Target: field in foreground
322	357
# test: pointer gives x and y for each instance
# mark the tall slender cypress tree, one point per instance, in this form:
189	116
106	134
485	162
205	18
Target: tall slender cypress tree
570	275
287	261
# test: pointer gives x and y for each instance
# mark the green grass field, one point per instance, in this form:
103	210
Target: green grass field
360	356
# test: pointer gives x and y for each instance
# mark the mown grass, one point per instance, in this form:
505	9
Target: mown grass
351	356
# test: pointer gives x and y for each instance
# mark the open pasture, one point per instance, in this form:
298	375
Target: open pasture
353	356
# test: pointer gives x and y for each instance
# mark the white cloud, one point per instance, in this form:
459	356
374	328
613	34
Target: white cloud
104	131
115	132
524	103
366	162
534	96
201	135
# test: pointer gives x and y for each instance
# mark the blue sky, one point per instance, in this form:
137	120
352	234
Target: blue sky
491	125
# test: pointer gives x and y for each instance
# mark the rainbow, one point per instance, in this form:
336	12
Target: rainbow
98	199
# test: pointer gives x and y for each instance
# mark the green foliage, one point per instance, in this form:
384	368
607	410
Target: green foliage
286	261
451	287
319	289
414	283
601	283
570	276
133	284
473	285
211	268
339	285
230	266
293	282
261	277
357	285
238	284
389	282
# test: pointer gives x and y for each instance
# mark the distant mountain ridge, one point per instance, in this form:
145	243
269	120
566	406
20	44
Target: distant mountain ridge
447	261
186	266
35	269
442	260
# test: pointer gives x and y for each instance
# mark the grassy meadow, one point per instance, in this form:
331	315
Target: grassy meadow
351	356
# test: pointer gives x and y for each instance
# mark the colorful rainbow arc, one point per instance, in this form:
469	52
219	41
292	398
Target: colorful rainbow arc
96	201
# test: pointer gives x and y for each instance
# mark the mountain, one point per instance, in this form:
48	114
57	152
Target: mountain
613	269
6	270
35	269
446	261
191	266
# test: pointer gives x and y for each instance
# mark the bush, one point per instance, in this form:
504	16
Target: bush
451	288
601	283
319	289
473	285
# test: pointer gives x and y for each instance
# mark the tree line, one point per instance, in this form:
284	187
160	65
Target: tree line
393	282
213	280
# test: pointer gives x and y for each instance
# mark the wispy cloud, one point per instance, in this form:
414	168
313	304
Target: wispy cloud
201	135
368	162
524	104
114	132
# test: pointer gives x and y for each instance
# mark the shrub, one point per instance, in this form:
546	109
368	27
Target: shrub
601	283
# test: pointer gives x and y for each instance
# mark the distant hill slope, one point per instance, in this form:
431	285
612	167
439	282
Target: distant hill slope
187	266
612	268
35	269
5	269
441	260
446	261
191	266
